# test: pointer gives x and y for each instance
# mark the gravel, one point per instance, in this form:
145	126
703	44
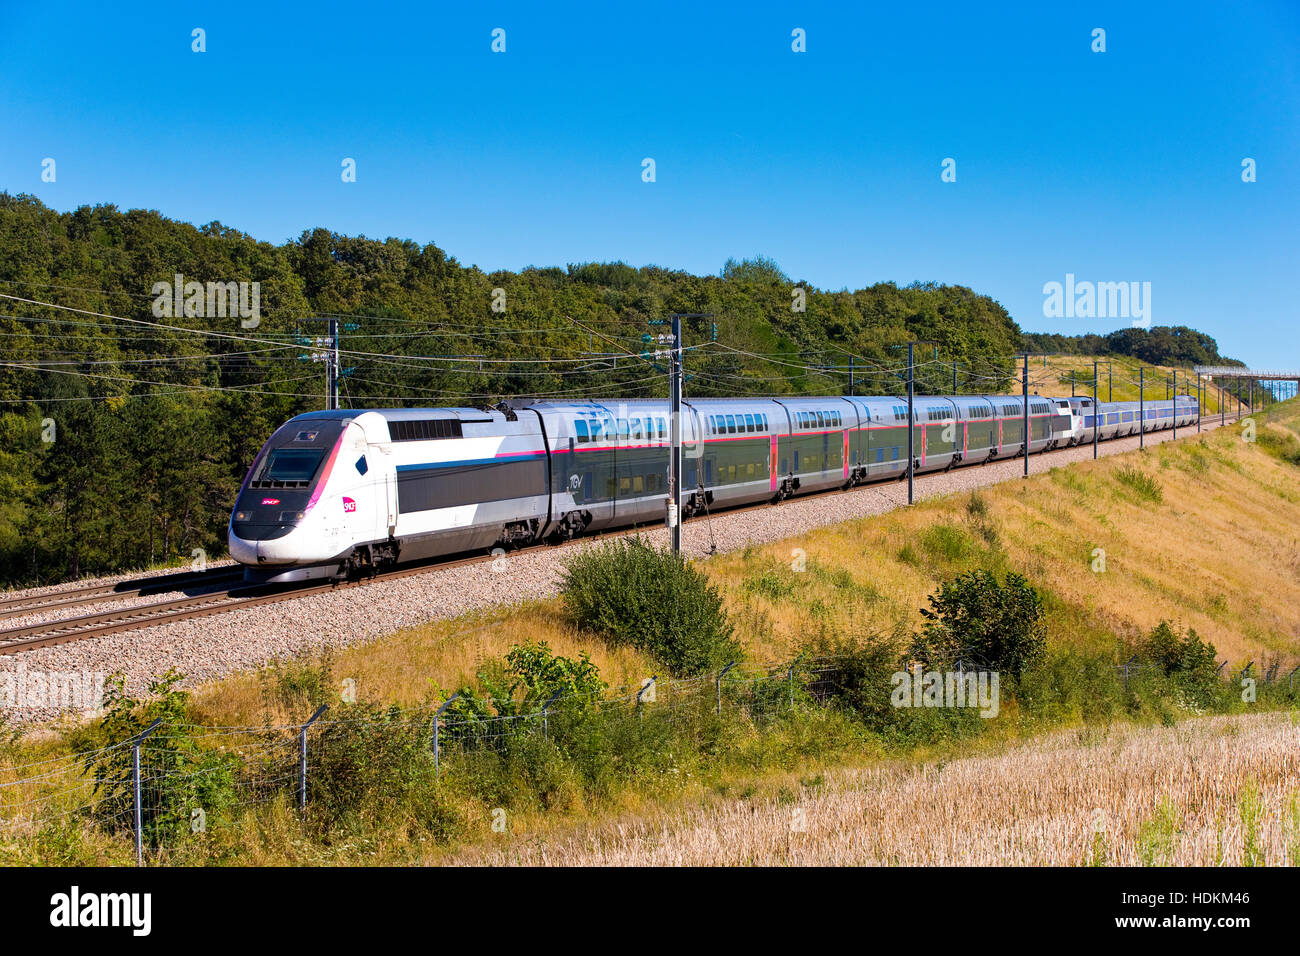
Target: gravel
218	645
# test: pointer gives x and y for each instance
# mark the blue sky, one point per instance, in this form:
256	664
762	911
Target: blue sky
1115	166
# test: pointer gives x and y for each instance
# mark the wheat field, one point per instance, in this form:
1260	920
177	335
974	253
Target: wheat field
1221	791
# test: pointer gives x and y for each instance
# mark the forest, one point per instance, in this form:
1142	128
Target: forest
1172	345
126	428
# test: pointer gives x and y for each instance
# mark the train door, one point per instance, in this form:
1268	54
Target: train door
390	495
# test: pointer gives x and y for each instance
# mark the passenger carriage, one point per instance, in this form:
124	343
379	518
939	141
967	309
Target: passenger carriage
336	492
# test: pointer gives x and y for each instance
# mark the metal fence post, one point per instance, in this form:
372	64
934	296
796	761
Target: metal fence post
436	749
546	719
722	674
135	782
639	694
1290	678
302	756
1127	663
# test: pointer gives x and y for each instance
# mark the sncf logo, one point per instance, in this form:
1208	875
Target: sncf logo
349	505
270	501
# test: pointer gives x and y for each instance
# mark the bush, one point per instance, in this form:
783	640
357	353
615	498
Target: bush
1188	661
652	600
374	764
977	617
531	674
177	775
859	677
1067	685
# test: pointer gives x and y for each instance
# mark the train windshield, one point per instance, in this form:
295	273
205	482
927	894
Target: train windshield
292	464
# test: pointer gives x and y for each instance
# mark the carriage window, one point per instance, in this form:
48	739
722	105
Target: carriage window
580	428
622	428
749	423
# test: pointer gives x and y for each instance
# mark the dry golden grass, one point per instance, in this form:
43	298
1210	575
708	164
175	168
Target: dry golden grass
1220	553
426	663
1212	791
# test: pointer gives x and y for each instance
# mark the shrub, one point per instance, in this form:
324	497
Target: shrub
1188	661
531	674
858	676
976	616
374	763
177	776
652	600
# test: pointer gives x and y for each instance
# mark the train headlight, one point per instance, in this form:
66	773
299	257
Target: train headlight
241	515
288	516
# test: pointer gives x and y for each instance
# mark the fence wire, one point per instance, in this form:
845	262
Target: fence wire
178	780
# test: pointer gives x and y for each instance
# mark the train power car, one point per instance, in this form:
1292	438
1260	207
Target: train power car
336	493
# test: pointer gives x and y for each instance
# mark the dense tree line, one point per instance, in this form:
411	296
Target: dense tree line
1174	345
125	433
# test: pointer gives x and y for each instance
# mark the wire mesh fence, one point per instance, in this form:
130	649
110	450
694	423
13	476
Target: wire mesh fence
171	781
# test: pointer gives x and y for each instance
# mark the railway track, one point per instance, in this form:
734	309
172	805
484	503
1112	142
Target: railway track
220	599
30	637
102	593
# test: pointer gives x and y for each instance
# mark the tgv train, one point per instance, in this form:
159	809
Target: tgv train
335	493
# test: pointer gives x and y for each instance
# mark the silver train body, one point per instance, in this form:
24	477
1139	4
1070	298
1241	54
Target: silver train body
334	493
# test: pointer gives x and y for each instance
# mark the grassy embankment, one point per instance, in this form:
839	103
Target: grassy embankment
1211	541
1186	530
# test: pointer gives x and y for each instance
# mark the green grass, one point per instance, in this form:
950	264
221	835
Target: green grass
1143	486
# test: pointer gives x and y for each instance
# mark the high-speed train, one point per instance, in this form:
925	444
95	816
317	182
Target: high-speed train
335	493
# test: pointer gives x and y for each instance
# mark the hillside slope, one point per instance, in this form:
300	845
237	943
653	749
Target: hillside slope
1228	520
